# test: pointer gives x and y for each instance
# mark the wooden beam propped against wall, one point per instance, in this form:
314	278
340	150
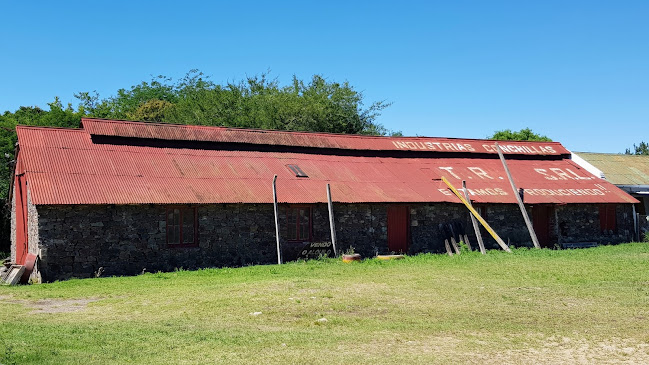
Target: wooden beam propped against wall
484	223
526	217
279	253
474	222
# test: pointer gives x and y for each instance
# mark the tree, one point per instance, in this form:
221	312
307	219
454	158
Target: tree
641	149
256	102
525	134
151	110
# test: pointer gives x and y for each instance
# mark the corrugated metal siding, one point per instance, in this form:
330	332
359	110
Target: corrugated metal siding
309	139
65	167
620	169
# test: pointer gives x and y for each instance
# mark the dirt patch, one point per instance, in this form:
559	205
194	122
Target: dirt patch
576	351
54	305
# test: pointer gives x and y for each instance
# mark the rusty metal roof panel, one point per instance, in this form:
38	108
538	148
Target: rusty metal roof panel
66	167
620	169
314	140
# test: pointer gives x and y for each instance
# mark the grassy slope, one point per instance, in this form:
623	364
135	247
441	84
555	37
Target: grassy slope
531	306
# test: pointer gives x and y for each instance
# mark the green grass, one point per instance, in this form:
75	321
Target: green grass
532	306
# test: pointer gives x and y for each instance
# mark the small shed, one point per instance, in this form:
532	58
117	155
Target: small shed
628	172
120	197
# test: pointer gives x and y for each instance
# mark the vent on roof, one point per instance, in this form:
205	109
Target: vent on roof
297	171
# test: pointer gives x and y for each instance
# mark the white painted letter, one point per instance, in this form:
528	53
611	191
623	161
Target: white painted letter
480	172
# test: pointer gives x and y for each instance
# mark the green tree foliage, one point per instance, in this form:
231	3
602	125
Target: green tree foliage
56	116
151	110
525	134
256	102
641	149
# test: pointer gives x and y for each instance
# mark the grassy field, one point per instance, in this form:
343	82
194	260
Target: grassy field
532	306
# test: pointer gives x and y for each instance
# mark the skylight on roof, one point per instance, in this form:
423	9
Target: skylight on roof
297	171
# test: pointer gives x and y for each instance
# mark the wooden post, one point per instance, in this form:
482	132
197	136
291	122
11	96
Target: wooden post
637	219
484	223
455	246
331	220
476	228
557	229
448	247
279	253
635	225
518	198
466	240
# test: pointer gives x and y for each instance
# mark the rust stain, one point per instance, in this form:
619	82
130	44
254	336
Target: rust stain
66	167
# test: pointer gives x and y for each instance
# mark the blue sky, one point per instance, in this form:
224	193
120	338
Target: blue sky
577	71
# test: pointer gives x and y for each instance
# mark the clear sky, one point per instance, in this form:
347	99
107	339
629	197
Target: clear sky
576	71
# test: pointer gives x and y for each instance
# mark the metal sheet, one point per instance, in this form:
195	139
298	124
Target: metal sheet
620	169
66	167
317	140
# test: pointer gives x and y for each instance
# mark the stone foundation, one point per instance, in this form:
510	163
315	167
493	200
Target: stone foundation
76	241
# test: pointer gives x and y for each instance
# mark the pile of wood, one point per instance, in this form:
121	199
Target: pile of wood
11	274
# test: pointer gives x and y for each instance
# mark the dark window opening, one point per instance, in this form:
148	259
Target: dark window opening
607	221
182	224
298	223
297	171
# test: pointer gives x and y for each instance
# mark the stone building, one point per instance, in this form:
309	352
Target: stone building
122	197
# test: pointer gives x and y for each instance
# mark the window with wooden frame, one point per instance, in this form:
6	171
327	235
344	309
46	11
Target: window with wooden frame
298	223
182	226
607	221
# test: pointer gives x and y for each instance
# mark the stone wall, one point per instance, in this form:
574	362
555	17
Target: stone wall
425	219
32	226
361	227
580	223
75	241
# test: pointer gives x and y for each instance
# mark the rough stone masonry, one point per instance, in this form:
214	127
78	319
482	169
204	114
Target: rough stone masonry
76	241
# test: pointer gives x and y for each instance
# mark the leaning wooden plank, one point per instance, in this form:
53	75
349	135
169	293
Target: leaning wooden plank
484	223
448	248
474	222
468	244
518	198
332	225
279	254
455	246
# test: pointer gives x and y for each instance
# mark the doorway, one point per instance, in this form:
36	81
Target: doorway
398	229
22	247
541	215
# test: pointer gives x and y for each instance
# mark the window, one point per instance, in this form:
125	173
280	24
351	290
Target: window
182	224
607	218
298	223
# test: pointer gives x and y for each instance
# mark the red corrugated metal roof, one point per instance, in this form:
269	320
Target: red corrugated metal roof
64	166
318	140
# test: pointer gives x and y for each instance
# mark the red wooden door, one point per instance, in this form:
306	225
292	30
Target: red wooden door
541	223
398	228
21	219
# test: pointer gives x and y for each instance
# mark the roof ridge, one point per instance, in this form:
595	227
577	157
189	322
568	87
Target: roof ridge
280	131
45	127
